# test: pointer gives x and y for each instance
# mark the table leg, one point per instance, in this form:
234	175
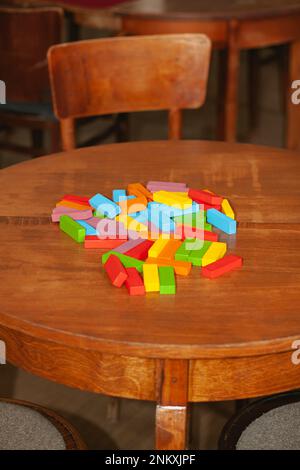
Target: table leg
172	406
232	82
293	110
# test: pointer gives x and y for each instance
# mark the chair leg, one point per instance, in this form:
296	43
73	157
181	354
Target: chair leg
222	79
253	87
239	404
37	138
113	410
55	142
122	128
231	101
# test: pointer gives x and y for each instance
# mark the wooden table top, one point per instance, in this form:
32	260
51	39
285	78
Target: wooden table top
53	288
203	9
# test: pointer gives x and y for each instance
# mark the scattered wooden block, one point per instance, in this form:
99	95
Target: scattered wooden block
72	228
151	277
221	221
127	261
205	197
73	205
115	271
227	209
118	195
134	282
167	280
157	248
216	251
141	250
105	206
91	243
168	252
165	197
74	213
182	268
196	255
222	266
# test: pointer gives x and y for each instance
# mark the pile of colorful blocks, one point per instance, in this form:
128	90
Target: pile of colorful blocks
153	233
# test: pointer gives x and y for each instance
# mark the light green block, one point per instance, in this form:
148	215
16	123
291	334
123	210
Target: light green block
182	253
191	220
99	215
167	280
72	228
127	261
195	256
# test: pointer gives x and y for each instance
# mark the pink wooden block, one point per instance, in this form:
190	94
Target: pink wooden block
76	215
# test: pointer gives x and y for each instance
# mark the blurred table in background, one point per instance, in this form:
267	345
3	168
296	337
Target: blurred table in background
232	25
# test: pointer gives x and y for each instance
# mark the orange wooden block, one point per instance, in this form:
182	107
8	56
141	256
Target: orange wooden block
133	205
168	252
74	205
137	189
181	268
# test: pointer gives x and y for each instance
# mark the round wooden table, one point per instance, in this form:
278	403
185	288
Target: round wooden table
215	340
234	25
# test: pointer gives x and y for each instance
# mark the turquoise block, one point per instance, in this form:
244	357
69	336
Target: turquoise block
89	230
118	194
221	221
105	206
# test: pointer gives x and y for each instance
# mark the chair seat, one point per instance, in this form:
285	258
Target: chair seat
37	109
26	426
277	429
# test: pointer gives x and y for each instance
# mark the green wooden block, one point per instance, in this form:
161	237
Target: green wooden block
72	228
167	280
127	261
182	253
195	256
99	215
191	220
208	227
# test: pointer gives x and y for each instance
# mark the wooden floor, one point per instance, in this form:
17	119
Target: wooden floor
87	411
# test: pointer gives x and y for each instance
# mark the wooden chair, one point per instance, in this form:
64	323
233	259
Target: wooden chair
27	426
126	74
271	423
25	36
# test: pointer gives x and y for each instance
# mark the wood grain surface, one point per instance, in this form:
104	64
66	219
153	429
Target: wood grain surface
52	288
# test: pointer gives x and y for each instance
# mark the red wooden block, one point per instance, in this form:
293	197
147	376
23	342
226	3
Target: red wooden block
222	266
100	243
140	251
134	282
79	199
185	231
206	207
204	197
115	271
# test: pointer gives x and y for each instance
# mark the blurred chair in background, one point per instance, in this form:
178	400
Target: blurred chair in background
271	423
25	36
127	74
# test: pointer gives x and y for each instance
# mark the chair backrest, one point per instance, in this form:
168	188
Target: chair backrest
25	37
125	74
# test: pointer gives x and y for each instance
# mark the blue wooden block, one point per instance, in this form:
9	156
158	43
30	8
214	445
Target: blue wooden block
141	216
221	221
89	230
118	194
105	206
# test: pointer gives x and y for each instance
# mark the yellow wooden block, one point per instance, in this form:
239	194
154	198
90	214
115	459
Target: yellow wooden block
216	251
168	198
227	209
131	224
183	194
151	277
157	248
